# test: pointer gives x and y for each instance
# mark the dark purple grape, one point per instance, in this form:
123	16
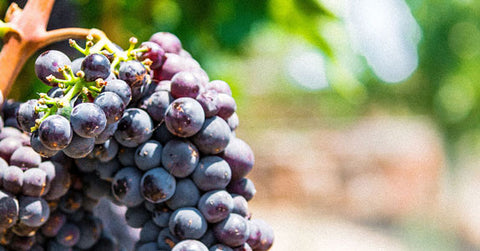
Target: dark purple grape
111	104
157	185
137	216
215	205
208	238
186	195
166	240
88	120
133	73
220	86
226	105
232	121
239	157
25	157
243	187
34	182
121	88
87	164
95	188
8	146
220	247
201	75
107	133
55	132
77	64
149	246
156	104
52	245
49	63
71	202
161	216
95	66
261	235
184	117
40	148
240	205
155	53
79	147
187	223
180	157
22	243
208	101
190	245
34	211
13	179
185	84
54	223
149	232
106	170
9	210
213	137
134	128
68	235
168	41
172	65
126	186
26	115
106	151
212	173
90	232
232	231
148	155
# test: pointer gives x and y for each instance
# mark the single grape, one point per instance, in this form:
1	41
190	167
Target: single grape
39	147
208	238
220	247
240	205
88	120
95	66
172	65
111	104
107	133
106	151
208	100
68	235
157	185
126	156
232	121
220	86
156	104
155	53
226	105
71	202
49	63
262	237
148	155
190	245
239	157
215	205
162	134
166	240
133	73
149	232
161	216
137	216
106	170
13	179
244	187
58	179
184	117
168	41
213	137
90	232
126	186
180	157
54	223
55	132
94	187
8	146
34	211
232	231
185	84
121	88
212	173
25	157
134	128
186	195
34	182
79	147
26	115
9	210
187	223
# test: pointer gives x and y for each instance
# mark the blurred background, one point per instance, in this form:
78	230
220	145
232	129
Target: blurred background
364	115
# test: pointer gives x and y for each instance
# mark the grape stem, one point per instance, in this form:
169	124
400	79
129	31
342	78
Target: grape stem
25	33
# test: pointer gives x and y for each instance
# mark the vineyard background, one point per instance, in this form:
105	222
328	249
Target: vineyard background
364	115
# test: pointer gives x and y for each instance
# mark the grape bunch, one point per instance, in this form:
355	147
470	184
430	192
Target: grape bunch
147	129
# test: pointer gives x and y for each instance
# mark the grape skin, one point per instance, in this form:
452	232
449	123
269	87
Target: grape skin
157	185
184	117
180	157
187	223
49	63
134	128
55	132
212	173
148	155
88	120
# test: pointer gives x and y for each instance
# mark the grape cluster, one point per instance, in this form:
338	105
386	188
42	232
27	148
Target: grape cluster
145	128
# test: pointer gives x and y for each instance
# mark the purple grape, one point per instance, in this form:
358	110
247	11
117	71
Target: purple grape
137	216
121	88
106	151
213	137
111	104
186	195
163	135
226	106
21	243
133	73
232	121
240	205
26	115
54	223
172	65
126	156
88	120
68	235
220	247
232	231
9	210
106	170
8	146
166	240
107	133
208	99
49	63
71	202
148	155
13	179
156	104
95	66
190	245
157	185
25	157
239	157
187	223
261	236
34	182
212	173
243	187
168	41
161	215
184	117
180	157
90	232
40	148
220	86
77	65
126	186
34	211
58	179
185	84
134	128
79	147
149	232
155	53
55	132
215	205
